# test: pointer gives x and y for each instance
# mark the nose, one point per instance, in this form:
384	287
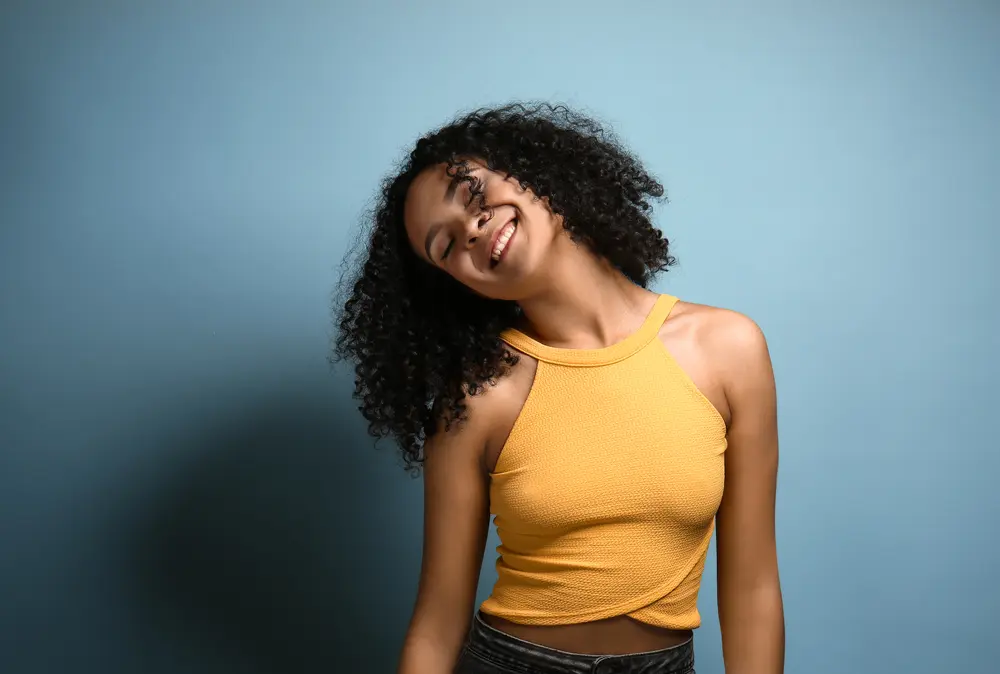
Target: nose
475	227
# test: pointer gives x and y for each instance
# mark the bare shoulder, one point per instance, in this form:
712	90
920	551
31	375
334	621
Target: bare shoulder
501	404
490	414
733	346
507	391
728	334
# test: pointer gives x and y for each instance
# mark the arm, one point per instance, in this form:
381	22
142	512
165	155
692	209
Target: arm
750	605
456	519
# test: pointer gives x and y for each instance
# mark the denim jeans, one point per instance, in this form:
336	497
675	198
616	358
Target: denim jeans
490	651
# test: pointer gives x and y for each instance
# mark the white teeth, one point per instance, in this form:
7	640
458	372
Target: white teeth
503	239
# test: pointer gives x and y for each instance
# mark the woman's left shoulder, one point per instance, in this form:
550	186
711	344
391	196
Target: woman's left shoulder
727	335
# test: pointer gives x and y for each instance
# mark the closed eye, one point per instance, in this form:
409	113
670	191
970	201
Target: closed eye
451	244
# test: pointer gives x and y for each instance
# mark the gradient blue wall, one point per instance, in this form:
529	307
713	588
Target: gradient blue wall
184	486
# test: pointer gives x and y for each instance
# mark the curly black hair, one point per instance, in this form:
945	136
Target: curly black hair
421	341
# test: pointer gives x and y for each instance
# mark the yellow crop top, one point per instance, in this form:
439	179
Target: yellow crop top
606	490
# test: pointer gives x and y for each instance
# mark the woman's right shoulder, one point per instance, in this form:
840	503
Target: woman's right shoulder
490	414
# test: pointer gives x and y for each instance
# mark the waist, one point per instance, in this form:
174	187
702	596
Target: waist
494	644
620	635
660	590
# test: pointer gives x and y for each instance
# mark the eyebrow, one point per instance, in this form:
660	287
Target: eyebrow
449	194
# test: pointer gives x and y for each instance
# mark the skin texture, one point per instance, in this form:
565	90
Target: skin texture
570	297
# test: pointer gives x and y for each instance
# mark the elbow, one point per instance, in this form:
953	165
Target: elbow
758	603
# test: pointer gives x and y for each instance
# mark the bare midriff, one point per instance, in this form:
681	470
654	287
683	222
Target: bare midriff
614	636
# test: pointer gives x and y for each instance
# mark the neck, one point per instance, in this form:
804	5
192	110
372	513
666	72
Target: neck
586	302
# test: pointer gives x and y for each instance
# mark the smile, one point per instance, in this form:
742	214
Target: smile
502	240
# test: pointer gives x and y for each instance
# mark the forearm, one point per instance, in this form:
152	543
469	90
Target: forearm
753	631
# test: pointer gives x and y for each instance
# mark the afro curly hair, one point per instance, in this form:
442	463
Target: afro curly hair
420	341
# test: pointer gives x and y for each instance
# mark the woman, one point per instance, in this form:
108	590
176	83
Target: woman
504	335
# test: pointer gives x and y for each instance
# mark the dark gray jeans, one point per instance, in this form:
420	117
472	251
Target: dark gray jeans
490	651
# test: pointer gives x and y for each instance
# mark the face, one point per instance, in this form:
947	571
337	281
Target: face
498	251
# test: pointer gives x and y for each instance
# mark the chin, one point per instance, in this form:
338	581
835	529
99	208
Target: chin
495	292
508	289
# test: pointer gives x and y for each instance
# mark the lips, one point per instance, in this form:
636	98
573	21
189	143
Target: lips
501	238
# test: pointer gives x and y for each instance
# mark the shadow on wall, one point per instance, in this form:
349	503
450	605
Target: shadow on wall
276	549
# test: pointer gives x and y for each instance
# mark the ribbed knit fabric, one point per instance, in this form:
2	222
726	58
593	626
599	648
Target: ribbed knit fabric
606	490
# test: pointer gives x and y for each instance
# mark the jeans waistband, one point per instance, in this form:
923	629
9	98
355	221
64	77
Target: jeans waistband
516	655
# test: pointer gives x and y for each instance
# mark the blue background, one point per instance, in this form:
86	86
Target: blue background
185	486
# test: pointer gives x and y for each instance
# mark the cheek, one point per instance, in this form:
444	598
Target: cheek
463	271
539	215
541	228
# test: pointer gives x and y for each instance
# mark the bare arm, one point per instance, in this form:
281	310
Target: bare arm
456	520
750	605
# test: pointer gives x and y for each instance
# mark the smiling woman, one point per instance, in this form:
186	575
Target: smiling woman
504	336
421	205
465	219
420	336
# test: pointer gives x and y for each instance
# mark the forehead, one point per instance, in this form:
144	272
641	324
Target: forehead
427	192
426	200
